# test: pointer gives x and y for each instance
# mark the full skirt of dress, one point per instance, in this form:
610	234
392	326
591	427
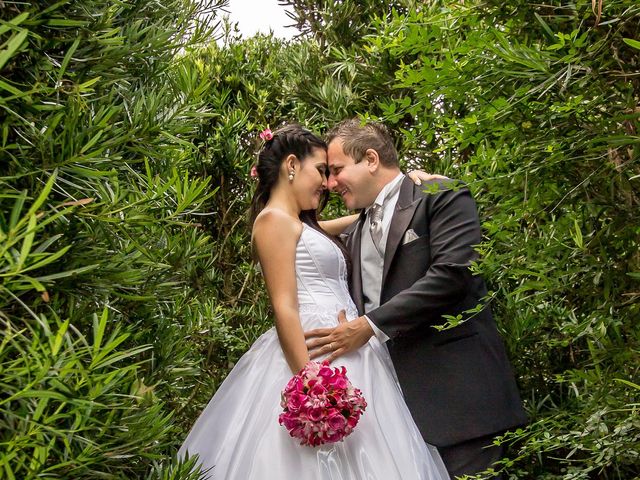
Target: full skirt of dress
238	436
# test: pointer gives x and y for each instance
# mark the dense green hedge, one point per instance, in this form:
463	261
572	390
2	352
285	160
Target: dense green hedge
105	265
127	138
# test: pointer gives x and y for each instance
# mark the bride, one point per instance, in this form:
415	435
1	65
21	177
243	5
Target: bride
306	271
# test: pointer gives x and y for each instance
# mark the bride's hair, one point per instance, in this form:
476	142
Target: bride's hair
288	140
295	140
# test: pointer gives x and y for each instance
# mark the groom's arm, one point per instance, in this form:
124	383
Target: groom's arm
454	230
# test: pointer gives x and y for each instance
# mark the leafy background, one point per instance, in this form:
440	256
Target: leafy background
126	136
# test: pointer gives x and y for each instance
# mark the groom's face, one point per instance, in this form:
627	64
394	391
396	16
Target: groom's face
351	180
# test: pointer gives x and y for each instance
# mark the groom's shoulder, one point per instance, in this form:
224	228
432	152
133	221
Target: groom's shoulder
438	186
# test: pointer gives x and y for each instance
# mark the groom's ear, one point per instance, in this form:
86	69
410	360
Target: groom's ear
372	159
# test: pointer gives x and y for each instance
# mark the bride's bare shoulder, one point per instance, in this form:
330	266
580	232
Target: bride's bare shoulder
274	223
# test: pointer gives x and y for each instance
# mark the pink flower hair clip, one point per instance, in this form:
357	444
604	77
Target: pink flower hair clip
266	134
254	172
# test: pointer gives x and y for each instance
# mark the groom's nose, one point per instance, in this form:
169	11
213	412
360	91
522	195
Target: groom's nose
331	182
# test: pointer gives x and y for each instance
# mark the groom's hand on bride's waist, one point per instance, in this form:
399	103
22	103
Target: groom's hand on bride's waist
331	343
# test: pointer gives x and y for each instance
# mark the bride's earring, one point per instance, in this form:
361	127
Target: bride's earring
291	175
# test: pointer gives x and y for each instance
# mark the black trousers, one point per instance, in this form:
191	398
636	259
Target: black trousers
471	457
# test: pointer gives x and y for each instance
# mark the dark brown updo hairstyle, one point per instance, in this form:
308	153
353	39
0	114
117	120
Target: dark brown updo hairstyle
288	140
295	140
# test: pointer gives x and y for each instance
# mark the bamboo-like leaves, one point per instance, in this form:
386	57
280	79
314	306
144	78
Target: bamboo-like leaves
67	387
12	45
23	231
89	96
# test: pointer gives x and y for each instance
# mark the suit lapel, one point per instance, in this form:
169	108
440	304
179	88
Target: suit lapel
356	273
405	208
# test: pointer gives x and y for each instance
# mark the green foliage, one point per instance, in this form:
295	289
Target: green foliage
103	257
126	140
332	23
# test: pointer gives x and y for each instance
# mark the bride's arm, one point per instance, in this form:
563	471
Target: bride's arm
419	176
338	225
275	236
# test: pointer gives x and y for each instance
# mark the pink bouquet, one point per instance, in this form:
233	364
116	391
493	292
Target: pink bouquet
320	405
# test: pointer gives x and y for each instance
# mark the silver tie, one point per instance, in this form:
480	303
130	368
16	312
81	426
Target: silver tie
375	226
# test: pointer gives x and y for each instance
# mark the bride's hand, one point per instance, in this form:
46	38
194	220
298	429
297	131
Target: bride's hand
418	176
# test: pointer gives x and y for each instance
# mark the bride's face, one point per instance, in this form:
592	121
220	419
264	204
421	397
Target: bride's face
310	180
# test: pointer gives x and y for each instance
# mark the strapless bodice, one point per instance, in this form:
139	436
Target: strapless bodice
321	274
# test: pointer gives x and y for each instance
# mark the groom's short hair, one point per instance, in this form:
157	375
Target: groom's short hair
358	136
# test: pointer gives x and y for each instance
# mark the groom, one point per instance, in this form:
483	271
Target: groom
411	254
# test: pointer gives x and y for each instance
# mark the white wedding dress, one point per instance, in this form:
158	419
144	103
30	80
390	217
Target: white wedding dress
237	436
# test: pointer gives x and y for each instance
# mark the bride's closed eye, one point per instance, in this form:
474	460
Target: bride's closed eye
323	171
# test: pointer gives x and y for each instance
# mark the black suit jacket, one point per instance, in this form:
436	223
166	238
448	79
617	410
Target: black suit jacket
457	383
